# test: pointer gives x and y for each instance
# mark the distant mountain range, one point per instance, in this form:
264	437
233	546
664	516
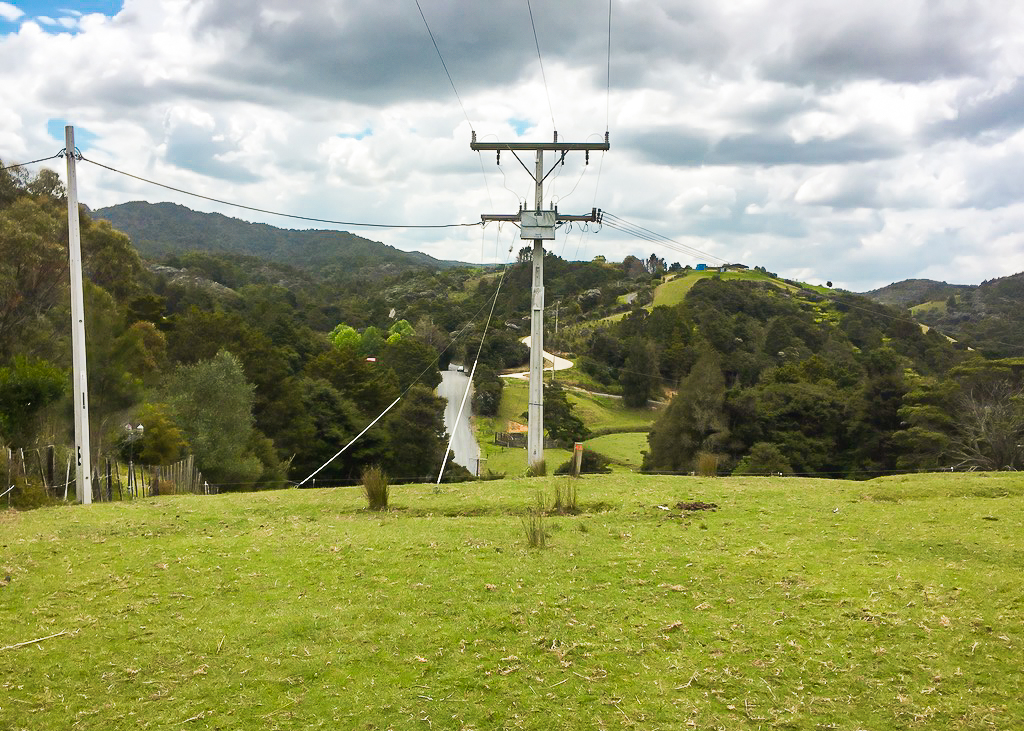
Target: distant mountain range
988	317
166	229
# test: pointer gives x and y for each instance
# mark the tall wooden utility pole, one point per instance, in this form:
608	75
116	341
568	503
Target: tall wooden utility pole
80	381
539	225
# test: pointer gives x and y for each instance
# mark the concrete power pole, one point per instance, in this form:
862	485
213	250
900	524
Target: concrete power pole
538	225
80	381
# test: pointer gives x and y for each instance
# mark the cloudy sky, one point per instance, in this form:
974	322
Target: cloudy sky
861	143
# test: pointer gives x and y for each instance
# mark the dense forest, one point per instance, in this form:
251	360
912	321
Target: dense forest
262	370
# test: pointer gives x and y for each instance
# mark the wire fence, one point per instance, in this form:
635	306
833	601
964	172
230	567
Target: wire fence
50	468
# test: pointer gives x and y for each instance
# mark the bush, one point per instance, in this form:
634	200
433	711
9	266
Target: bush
27	494
764	458
375	486
593	463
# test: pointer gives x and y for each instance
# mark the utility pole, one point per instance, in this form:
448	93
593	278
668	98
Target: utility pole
538	225
80	380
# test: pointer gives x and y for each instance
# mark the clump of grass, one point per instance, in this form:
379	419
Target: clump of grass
375	486
538	470
707	464
533	523
565	499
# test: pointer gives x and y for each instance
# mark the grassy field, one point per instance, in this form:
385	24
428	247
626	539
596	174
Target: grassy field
673	290
798	604
598	413
623	448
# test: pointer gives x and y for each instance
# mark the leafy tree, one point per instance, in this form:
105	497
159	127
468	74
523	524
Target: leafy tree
487	388
412	361
693	422
369	385
927	424
416	435
560	422
109	259
12	184
33	267
345	336
763	459
27	385
162	441
639	375
212	402
372	341
876	416
400	329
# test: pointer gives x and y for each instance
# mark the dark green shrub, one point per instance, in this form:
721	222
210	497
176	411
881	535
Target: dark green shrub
593	463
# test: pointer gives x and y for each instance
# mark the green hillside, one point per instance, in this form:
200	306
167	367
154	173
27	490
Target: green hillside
673	290
803	604
161	229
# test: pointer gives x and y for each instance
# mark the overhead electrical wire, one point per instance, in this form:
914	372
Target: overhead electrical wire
543	76
457	96
608	78
443	64
416	380
640	232
33	162
472	372
278	213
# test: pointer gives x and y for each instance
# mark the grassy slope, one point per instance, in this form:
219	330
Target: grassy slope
624	448
597	412
297	609
673	290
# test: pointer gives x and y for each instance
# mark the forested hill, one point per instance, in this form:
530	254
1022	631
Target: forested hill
165	229
911	292
988	317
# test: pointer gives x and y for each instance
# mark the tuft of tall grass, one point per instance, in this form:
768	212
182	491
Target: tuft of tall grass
538	470
707	464
533	523
375	487
565	499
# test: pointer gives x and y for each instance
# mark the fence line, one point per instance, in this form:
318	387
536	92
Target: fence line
138	480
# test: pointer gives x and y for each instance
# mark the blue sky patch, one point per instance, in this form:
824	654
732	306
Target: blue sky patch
520	125
83	137
356	136
53	15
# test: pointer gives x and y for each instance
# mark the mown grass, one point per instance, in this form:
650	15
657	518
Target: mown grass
623	448
801	604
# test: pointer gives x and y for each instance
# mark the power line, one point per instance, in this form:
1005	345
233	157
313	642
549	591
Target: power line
432	365
443	64
451	81
608	97
33	162
278	213
638	231
543	76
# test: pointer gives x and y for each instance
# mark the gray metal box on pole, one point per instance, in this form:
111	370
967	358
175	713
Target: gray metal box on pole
538	225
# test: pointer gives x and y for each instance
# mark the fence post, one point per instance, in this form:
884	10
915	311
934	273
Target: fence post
577	458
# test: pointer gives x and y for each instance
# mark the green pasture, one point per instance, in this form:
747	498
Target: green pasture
797	604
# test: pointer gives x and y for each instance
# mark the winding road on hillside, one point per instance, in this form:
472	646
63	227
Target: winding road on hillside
452	388
557	363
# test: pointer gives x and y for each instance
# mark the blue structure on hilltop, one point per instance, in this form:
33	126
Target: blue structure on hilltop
702	267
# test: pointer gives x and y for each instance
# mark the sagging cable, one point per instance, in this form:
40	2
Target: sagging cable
352	442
